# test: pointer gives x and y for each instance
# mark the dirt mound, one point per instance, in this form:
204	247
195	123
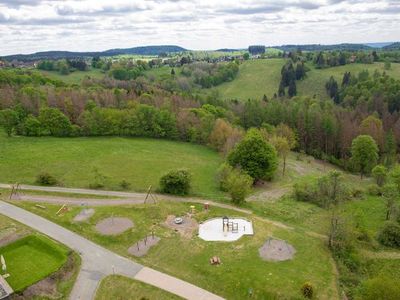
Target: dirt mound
142	247
84	215
186	228
114	226
276	250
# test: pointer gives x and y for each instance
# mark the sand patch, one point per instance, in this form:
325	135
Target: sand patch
276	250
84	215
114	226
142	247
186	228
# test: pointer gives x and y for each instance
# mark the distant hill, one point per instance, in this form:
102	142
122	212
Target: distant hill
378	45
319	47
393	46
145	50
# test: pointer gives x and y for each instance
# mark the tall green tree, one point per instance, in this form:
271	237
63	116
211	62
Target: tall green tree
8	120
390	149
254	156
292	90
364	153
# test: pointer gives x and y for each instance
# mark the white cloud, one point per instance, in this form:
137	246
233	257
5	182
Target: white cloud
89	25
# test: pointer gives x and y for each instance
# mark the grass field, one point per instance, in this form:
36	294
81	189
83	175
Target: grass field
73	161
31	259
242	269
122	288
74	77
316	79
259	77
255	78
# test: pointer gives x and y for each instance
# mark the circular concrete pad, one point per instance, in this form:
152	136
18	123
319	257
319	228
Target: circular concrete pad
276	250
113	226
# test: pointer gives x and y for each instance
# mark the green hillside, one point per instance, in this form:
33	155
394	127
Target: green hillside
76	162
255	78
259	77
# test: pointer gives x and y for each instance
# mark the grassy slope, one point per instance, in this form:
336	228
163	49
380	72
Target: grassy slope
259	77
119	287
188	258
314	84
31	259
74	77
255	78
141	162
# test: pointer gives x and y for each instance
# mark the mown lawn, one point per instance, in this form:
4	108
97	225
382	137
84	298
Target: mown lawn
76	161
31	259
119	287
188	259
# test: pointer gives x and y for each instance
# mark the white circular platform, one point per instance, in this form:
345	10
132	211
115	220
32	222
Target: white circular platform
212	230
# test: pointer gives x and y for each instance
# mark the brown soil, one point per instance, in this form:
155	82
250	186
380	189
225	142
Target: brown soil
48	286
8	236
276	250
84	215
186	229
142	247
114	226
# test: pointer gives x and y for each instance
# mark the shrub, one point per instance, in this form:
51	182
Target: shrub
389	235
176	182
236	182
45	178
381	288
374	190
307	290
99	180
379	172
124	184
254	156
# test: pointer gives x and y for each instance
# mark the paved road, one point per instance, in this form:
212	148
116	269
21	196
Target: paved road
98	262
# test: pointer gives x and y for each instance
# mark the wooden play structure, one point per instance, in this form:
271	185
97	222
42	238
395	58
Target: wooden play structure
229	226
150	195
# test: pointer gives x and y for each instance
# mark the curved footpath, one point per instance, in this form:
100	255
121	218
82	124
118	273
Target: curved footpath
98	262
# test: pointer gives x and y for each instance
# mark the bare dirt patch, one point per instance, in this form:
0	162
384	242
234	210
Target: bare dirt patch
48	287
84	215
276	250
8	235
186	228
114	225
142	247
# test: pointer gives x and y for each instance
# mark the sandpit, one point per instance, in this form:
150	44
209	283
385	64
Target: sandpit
84	215
142	247
186	228
276	250
114	226
213	229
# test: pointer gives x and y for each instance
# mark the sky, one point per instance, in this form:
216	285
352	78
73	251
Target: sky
28	26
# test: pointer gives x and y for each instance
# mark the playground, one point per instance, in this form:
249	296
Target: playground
225	229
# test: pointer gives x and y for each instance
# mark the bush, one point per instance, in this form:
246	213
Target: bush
45	178
254	156
374	190
389	235
99	180
125	185
379	172
381	288
176	182
236	182
307	290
